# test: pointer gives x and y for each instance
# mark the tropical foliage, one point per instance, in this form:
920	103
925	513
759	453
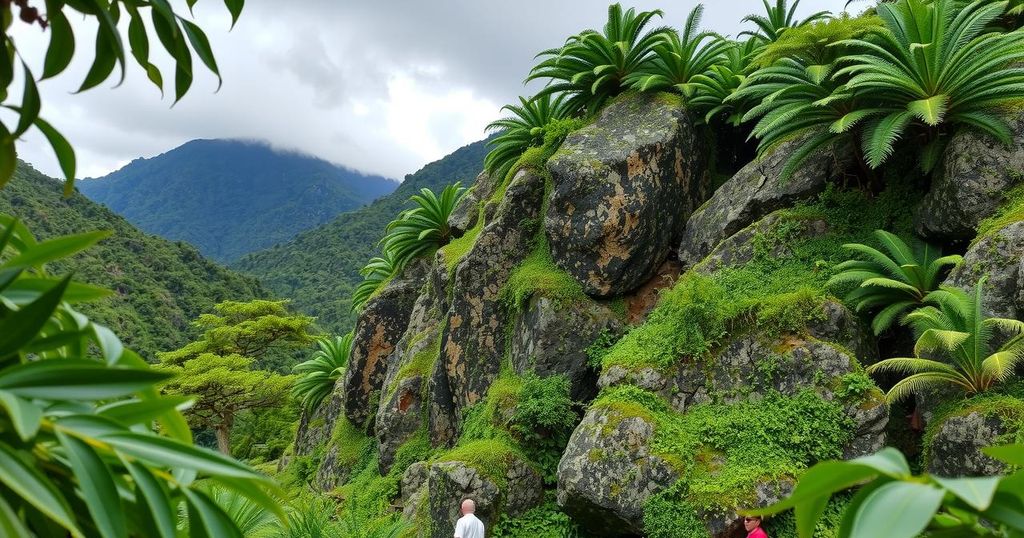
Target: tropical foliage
712	91
423	229
79	455
680	57
522	130
178	36
953	328
375	273
779	18
593	66
893	282
317	376
894	503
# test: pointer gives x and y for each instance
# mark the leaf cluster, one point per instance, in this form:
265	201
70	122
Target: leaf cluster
317	376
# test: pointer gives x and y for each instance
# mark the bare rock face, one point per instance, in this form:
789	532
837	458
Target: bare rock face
448	483
380	325
552	339
472	343
622	189
975	174
955	447
754	192
999	256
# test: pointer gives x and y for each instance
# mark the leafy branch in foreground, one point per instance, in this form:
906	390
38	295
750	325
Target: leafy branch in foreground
894	503
178	36
79	455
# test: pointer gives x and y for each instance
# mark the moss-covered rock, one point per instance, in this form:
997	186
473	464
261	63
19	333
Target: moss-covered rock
999	255
623	188
956	436
467	214
976	172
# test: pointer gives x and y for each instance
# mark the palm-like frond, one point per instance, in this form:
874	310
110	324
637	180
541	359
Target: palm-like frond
893	281
953	328
678	58
712	90
523	129
779	18
424	228
375	273
318	375
592	66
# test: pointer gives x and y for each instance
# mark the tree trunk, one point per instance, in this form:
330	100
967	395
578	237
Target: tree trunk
223	432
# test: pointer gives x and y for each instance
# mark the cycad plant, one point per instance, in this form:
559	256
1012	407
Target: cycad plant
424	228
318	375
523	129
932	67
375	273
712	90
679	58
593	66
894	281
955	346
779	18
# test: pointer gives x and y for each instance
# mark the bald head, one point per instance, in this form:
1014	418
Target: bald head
468	506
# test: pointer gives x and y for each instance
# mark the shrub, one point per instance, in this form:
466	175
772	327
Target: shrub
524	129
679	58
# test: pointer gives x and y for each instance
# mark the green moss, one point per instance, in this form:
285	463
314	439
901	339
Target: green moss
1011	211
538	274
350	441
1006	402
421	364
492	458
458	248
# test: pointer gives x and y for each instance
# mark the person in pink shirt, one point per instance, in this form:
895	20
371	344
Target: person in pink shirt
753	526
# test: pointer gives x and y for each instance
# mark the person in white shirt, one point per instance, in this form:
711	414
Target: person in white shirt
468	525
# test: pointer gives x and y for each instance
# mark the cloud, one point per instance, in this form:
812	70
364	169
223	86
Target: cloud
382	87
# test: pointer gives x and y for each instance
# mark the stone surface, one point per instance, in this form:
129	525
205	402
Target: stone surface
464	217
451	482
315	429
755	191
1000	256
969	185
607	473
379	327
473	340
955	449
622	188
413	489
741	246
551	339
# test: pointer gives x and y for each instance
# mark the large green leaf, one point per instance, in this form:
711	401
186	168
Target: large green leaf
25	416
931	110
97	486
1012	454
208	518
35	489
166	452
10	524
21	327
129	412
897	510
75	379
975	491
56	249
154	495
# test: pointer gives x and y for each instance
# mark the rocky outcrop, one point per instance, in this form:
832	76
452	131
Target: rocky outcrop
315	428
1000	256
742	246
975	174
755	191
473	343
955	446
608	471
623	187
466	215
448	483
551	338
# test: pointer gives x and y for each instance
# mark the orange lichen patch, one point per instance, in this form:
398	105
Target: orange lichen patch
642	301
788	343
618	224
406	400
635	164
378	349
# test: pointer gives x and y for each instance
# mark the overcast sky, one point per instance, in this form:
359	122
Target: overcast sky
383	87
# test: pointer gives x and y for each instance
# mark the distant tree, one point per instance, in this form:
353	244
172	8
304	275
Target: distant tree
176	34
222	369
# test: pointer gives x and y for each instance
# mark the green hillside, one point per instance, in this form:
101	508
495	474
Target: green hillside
160	285
319	268
231	197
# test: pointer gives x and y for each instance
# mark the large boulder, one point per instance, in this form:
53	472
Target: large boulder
953	446
999	255
517	490
742	246
975	173
755	191
623	187
551	338
378	329
607	472
473	339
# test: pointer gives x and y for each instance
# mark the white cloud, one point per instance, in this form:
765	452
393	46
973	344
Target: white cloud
383	87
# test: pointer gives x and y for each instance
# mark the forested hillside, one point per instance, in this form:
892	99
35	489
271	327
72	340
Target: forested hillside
230	197
319	268
160	286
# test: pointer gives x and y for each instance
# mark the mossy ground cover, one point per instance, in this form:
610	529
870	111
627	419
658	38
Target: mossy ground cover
1011	211
772	294
722	451
1005	401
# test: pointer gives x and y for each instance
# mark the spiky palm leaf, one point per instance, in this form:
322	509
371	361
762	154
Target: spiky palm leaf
592	66
953	327
712	90
932	66
891	283
778	18
679	58
520	131
424	228
377	271
317	376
